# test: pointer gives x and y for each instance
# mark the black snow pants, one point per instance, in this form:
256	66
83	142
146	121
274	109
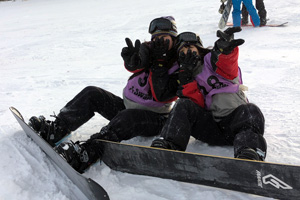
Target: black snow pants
124	123
244	127
260	6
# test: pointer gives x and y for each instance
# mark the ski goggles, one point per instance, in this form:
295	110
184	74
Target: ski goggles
161	24
188	38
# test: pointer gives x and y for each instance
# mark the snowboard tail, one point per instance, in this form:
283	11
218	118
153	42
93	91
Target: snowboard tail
87	186
254	177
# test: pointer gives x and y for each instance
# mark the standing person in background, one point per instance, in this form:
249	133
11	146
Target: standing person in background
260	6
236	13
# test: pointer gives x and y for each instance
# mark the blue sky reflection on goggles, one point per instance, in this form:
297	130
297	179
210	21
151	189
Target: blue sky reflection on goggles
161	24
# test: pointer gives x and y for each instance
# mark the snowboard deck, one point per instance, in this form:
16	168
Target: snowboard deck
91	189
225	15
267	25
260	178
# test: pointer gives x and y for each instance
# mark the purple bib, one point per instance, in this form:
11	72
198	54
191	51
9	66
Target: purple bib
138	89
211	83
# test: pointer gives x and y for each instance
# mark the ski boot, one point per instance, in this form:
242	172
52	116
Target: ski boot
79	155
250	154
51	131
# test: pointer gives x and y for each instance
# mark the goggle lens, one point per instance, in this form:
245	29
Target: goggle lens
161	24
188	37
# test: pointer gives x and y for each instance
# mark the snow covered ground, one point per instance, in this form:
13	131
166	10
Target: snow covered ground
51	49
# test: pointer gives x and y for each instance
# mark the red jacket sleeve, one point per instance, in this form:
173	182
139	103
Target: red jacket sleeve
227	65
192	92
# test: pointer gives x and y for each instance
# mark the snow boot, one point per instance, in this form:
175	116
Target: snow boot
51	131
263	21
164	144
249	154
244	21
79	155
105	134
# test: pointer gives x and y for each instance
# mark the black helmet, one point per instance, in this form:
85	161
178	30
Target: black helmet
189	38
163	25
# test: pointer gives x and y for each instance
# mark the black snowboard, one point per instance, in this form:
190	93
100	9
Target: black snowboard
254	177
87	186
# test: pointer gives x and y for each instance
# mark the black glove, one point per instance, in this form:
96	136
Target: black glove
160	52
144	55
227	43
130	54
188	63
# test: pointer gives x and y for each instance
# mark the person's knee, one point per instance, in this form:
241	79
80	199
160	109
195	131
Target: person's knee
254	112
90	90
257	116
249	117
185	103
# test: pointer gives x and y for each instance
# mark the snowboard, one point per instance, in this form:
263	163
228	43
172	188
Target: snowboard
278	181
225	15
267	25
87	186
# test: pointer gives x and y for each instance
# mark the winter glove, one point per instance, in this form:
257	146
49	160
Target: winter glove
130	54
161	54
144	55
188	63
227	43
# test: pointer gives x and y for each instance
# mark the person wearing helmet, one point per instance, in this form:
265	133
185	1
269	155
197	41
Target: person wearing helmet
212	106
146	102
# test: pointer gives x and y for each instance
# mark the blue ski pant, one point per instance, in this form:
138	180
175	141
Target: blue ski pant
236	13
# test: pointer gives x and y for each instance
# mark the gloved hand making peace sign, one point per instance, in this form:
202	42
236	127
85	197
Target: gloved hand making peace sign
130	54
137	56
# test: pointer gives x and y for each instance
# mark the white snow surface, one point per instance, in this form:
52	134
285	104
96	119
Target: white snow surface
51	49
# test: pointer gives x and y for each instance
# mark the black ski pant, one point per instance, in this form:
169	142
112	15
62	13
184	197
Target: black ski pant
124	123
244	127
260	6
